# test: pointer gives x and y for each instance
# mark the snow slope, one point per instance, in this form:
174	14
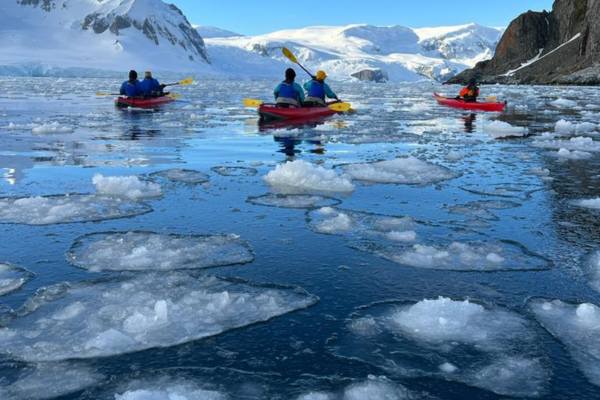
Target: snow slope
401	53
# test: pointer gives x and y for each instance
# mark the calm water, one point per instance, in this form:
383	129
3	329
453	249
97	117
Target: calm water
518	194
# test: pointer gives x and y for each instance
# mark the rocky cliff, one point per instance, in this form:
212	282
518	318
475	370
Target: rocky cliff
557	47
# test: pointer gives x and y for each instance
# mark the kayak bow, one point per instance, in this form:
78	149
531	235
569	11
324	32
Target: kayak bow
270	112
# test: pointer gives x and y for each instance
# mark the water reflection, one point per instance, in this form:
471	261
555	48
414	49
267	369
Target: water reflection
468	121
288	146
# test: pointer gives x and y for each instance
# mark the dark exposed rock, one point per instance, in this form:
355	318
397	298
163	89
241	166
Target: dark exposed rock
565	44
371	75
46	5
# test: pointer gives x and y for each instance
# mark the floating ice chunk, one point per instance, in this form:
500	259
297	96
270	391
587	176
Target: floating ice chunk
53	127
126	186
235	171
12	278
137	313
564	103
376	390
299	177
314	396
340	223
572	155
403	236
183	175
454	156
577	143
480	256
542	172
49	380
593	204
293	201
165	388
405	170
591	267
499	129
566	126
486	347
578	327
152	251
66	209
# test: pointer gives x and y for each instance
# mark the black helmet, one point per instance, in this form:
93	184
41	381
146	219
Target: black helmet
290	74
133	75
472	81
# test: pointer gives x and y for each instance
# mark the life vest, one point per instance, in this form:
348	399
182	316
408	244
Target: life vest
470	93
287	90
317	89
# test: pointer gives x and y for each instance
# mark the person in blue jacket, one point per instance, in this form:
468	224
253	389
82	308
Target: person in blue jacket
317	89
288	93
132	88
150	86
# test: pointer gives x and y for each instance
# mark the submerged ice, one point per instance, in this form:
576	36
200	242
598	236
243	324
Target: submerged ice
12	278
152	251
490	348
106	318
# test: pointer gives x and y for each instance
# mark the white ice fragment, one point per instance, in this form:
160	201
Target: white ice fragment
499	129
126	186
298	177
448	368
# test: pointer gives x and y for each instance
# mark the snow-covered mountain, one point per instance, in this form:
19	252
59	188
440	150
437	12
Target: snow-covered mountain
393	53
98	35
107	37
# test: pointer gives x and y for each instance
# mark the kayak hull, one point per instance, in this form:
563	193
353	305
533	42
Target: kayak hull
495	106
149	102
270	112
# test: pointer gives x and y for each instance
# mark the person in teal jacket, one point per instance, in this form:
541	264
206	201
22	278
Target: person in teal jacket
317	89
288	93
132	87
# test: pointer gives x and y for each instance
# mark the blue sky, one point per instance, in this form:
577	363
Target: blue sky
264	16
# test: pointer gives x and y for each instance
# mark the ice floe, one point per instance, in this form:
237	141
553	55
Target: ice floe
301	177
48	381
591	267
593	204
571	155
12	278
293	200
53	127
126	186
183	175
488	347
46	210
465	256
578	327
563	103
235	171
500	129
572	127
110	317
577	143
404	170
146	251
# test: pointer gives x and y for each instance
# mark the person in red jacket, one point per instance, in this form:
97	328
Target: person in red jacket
470	92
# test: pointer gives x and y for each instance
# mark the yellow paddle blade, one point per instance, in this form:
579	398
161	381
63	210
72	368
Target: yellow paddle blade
340	106
105	94
351	110
252	103
493	98
186	81
173	96
289	55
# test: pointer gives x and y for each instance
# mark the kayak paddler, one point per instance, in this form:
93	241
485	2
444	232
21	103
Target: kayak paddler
317	89
150	86
470	92
288	93
131	87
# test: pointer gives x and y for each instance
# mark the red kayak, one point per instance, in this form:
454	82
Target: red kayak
140	102
270	112
466	105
